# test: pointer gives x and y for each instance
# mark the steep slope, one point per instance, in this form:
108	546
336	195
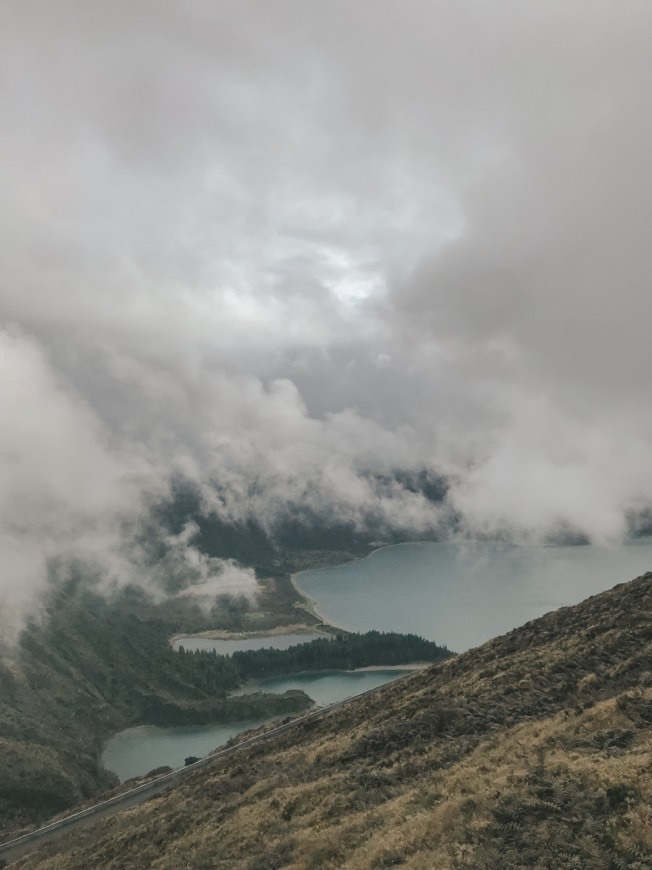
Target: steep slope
532	751
90	668
95	666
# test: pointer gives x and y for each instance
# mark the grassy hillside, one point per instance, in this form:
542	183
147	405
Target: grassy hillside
92	667
532	751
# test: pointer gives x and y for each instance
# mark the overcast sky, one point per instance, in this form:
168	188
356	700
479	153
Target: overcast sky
281	245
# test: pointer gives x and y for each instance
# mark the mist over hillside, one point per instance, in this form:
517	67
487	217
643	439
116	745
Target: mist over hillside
299	255
282	282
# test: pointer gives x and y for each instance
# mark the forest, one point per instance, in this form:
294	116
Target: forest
90	666
345	652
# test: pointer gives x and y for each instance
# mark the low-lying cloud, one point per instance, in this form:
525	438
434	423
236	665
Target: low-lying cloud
283	251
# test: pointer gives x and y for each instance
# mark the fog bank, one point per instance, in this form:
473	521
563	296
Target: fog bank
297	254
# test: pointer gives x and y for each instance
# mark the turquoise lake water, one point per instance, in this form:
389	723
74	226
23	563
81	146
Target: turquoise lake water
226	647
325	687
462	594
136	751
457	594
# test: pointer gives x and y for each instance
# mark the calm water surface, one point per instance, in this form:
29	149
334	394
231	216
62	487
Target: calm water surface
462	594
324	687
136	751
456	594
226	647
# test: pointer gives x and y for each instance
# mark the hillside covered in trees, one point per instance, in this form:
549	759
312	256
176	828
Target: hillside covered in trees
344	653
91	667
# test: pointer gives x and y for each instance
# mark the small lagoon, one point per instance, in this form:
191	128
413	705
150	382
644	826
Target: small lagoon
326	687
226	646
136	751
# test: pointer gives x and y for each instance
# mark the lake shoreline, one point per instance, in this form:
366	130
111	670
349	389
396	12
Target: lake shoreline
226	634
306	603
468	590
318	625
310	606
136	750
411	666
365	669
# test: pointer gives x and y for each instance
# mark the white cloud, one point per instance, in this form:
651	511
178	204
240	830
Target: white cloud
285	246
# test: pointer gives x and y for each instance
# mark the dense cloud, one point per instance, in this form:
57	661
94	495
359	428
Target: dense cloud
284	250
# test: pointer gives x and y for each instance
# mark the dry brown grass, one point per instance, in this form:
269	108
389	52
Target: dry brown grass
533	751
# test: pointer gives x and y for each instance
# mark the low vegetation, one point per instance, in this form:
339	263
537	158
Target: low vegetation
532	751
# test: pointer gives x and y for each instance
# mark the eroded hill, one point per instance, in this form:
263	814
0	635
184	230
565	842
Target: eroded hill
532	751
